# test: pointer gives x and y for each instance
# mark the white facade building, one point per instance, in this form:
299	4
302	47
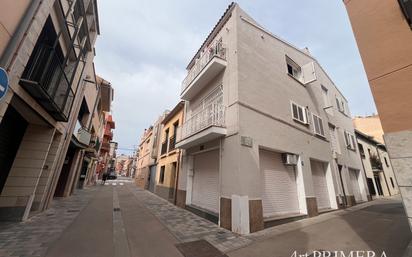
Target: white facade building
267	135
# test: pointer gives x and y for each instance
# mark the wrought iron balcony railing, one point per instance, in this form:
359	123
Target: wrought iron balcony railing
211	115
216	50
172	143
45	79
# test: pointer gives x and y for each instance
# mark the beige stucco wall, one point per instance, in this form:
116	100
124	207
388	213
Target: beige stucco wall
370	125
383	37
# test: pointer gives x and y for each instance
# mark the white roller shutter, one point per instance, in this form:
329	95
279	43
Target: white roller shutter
205	192
280	194
354	175
320	184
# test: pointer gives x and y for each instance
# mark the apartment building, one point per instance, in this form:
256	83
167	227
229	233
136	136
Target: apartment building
106	158
369	125
267	136
378	169
168	161
90	170
45	48
146	163
382	31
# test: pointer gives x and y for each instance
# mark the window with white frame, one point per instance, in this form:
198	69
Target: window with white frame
350	141
342	105
318	125
299	113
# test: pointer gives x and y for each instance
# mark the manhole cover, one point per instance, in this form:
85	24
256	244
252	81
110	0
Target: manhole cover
116	209
199	248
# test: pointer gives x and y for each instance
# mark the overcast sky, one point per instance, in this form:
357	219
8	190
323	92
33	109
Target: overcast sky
145	46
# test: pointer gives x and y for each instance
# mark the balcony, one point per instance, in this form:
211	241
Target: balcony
205	125
82	135
108	133
163	150
172	143
207	67
45	80
105	147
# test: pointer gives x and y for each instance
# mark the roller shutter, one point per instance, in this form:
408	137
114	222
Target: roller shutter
320	185
280	194
205	192
354	178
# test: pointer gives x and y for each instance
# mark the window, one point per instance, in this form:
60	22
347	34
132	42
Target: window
334	139
386	162
341	105
350	141
162	175
299	113
393	184
361	151
318	126
304	74
325	96
293	69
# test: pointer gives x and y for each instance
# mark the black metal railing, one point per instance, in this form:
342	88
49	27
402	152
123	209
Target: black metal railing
45	79
164	148
172	143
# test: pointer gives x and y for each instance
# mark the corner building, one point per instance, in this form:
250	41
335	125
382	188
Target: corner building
267	136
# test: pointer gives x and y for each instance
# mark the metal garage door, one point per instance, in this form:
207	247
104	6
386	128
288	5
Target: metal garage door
320	184
354	178
280	194
205	193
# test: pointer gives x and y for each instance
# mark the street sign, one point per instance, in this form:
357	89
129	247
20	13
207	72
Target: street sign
4	83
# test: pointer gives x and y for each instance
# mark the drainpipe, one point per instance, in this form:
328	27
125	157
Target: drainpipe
10	53
384	176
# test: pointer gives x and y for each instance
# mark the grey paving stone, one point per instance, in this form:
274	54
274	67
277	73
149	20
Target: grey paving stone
187	226
34	236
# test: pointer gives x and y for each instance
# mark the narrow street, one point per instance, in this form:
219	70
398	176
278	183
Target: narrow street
118	219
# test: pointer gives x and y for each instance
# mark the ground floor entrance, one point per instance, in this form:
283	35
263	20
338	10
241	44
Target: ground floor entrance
280	192
205	191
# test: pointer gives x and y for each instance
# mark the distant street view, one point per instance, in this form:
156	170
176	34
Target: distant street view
205	129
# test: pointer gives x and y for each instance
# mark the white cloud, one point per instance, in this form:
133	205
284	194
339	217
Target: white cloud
145	46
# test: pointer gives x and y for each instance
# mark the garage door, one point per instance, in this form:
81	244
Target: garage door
354	178
320	185
205	192
279	185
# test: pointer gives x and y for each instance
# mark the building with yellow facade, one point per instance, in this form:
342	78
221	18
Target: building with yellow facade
167	173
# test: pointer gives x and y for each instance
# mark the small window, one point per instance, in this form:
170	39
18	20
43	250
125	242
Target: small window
393	184
318	125
162	175
386	162
299	113
293	69
325	96
361	151
350	141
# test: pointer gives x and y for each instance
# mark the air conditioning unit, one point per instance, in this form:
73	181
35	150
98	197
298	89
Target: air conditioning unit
289	159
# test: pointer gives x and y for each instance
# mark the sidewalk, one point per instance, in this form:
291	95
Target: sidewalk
380	225
34	236
186	226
